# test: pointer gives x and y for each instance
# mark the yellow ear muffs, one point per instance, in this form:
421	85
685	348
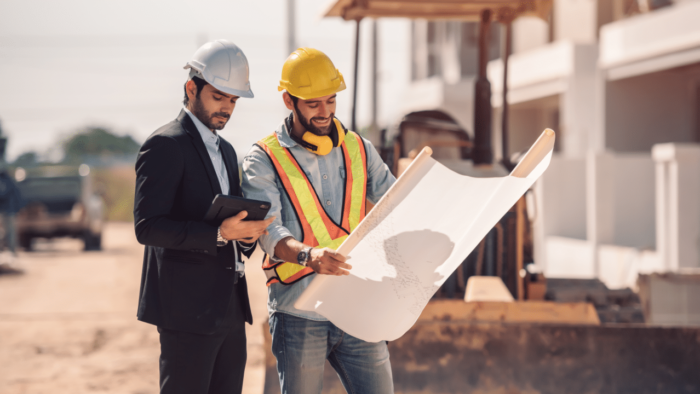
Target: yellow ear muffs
323	144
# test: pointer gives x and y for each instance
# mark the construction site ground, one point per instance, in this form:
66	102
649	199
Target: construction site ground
68	321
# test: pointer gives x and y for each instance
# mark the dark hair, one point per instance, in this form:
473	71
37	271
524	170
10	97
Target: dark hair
200	83
295	99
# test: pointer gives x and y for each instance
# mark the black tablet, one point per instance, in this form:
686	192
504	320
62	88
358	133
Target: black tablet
225	206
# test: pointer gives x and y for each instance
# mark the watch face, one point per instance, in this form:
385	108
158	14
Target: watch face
301	257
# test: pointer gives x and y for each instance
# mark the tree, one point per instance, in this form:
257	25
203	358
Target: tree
97	142
27	159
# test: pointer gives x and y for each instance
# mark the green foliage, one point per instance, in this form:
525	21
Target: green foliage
116	185
27	159
97	142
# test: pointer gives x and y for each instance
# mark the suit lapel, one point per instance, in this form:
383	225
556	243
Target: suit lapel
191	129
231	162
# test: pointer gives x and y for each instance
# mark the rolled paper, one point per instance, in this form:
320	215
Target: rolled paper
533	157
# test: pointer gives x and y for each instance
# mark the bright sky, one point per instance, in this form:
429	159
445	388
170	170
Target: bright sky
71	63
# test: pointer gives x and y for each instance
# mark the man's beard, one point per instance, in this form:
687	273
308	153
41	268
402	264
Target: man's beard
309	126
206	118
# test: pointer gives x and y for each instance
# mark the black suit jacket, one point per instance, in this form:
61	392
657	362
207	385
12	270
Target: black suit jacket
187	282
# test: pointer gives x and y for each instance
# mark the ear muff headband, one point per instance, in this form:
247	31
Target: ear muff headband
323	144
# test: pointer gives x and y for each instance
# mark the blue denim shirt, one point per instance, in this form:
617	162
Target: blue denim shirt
327	175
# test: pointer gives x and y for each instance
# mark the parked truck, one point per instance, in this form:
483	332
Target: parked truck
60	202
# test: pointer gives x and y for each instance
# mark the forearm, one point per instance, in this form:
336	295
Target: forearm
324	261
288	248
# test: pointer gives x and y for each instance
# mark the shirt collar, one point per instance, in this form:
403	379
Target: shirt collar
283	136
208	136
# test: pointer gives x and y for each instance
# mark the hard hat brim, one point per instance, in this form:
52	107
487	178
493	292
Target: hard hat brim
240	93
314	95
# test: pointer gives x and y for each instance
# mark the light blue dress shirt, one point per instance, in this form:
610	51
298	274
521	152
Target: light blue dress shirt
327	175
212	142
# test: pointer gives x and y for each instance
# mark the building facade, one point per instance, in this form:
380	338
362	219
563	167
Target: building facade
619	81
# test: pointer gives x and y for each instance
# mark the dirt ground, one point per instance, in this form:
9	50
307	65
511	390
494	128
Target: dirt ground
68	322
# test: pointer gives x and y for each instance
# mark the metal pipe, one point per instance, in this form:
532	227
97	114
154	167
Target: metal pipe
375	62
291	27
482	153
353	124
505	48
520	247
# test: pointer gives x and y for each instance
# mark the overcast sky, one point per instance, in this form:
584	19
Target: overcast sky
72	63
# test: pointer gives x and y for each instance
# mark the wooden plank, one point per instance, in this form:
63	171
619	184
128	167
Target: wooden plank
432	9
581	313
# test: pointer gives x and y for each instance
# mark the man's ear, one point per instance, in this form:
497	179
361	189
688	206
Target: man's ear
191	89
288	101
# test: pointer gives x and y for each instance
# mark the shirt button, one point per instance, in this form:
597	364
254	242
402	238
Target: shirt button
328	202
325	176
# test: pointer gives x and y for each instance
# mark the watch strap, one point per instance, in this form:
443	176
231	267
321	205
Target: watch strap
220	240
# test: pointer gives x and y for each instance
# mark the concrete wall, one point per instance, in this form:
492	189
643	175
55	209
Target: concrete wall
575	20
563	69
650	109
596	216
634	201
557	210
569	258
527	120
619	266
671	299
562	191
677	208
528	33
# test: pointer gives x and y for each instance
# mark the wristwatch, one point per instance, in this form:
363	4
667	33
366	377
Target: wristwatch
220	241
303	256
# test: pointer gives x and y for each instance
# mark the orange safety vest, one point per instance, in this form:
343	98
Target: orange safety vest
318	229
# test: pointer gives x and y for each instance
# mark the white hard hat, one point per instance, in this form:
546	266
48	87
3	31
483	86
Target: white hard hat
223	65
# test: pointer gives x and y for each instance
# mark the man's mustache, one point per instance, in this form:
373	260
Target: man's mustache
221	114
321	119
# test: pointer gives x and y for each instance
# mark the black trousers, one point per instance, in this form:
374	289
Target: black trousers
205	364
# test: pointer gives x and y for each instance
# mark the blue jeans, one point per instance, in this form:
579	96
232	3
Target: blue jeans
302	346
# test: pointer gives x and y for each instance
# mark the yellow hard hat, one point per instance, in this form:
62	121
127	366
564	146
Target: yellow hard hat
308	73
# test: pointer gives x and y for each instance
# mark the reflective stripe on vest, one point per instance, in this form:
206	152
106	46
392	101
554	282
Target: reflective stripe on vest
318	229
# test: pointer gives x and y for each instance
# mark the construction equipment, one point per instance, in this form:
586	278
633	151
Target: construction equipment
60	202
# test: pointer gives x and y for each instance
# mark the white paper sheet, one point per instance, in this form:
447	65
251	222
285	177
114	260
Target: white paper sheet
408	245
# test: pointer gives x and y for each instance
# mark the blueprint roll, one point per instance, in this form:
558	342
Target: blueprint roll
535	155
413	239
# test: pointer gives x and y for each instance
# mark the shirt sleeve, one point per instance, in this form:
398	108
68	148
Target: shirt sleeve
379	177
260	183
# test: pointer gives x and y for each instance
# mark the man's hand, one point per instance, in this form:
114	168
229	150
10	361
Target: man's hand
234	228
327	261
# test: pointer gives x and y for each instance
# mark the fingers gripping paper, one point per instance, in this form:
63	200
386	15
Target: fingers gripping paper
412	240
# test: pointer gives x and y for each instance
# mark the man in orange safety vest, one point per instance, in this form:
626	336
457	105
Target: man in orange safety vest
317	176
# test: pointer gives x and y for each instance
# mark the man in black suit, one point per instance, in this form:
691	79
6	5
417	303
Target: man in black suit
192	284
